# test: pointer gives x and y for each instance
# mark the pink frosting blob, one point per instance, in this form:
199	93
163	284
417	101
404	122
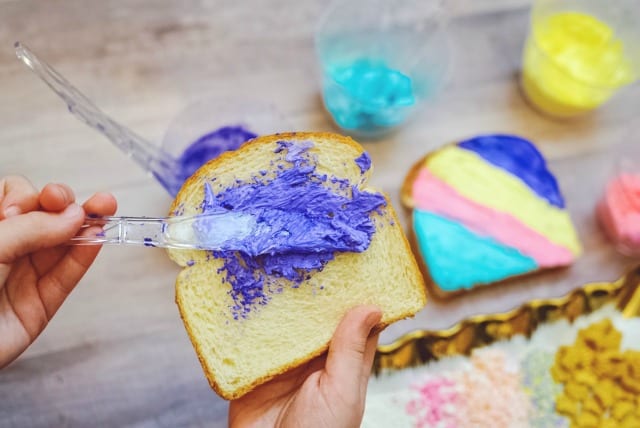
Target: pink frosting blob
619	212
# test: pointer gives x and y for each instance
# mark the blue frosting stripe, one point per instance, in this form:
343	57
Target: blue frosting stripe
521	158
460	259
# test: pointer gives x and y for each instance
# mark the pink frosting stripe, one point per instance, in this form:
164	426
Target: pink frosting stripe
432	194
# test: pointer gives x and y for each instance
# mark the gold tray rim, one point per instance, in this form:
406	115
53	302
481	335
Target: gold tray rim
422	346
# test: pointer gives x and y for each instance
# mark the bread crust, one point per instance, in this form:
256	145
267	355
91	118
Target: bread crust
201	174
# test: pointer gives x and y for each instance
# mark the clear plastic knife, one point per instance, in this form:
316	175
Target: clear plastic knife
221	231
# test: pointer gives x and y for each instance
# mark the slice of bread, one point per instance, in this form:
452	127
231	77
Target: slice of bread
297	322
486	211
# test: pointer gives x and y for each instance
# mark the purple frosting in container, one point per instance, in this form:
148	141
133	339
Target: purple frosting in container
302	217
212	145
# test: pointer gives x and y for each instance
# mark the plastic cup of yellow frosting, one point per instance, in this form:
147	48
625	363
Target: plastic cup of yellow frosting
579	53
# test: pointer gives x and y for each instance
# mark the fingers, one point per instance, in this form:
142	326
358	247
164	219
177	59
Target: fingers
351	350
17	196
101	204
56	285
56	197
27	233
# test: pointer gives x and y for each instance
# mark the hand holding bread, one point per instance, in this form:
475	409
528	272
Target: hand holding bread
251	319
328	391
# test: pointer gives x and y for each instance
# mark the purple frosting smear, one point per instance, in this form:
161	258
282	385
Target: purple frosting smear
364	162
303	218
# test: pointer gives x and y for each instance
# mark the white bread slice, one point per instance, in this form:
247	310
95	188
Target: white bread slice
296	324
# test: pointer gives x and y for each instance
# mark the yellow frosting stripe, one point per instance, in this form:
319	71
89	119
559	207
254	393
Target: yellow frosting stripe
485	184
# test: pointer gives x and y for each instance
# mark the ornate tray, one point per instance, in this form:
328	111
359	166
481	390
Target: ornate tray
422	346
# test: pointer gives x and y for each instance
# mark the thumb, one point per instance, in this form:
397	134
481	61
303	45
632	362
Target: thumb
351	352
24	234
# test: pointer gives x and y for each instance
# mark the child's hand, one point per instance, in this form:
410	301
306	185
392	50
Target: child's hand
37	269
327	392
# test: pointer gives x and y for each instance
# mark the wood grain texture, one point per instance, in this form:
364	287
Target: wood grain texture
116	354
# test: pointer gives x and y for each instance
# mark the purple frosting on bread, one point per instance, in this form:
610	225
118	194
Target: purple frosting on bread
303	219
364	162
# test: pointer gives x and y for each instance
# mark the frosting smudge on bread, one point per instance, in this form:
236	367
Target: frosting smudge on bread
364	162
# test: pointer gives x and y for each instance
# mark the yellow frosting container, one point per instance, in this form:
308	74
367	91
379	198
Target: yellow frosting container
574	61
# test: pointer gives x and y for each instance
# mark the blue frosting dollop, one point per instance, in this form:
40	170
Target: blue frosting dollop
367	95
521	158
303	219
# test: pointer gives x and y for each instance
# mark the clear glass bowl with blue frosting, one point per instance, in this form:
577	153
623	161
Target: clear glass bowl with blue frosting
380	60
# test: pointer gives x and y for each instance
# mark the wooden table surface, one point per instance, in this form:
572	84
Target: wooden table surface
116	354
